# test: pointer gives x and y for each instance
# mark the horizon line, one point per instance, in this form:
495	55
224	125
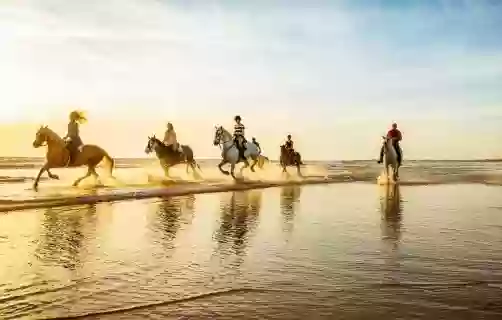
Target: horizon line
308	160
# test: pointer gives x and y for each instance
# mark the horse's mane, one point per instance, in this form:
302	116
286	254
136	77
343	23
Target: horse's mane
225	131
52	133
155	139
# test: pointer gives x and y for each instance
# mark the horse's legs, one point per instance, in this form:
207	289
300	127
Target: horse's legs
255	161
165	167
298	170
246	164
195	174
232	170
52	176
95	175
166	170
90	170
37	179
221	164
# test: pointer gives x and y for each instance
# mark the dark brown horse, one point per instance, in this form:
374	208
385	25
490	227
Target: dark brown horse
290	158
58	156
169	157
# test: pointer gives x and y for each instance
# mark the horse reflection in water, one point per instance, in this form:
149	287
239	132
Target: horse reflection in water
172	213
238	217
391	211
63	233
290	196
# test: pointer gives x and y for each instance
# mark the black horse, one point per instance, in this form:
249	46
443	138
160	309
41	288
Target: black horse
290	158
169	157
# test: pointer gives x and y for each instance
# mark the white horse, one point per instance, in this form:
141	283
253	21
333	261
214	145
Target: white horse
230	153
390	159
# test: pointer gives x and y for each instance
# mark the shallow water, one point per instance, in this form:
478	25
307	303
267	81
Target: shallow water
344	251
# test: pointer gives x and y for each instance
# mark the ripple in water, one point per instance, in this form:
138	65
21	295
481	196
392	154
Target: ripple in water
347	251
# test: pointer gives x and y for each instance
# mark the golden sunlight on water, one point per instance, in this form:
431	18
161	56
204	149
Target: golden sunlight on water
345	251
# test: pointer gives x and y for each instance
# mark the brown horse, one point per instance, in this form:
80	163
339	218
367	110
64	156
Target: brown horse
289	158
58	156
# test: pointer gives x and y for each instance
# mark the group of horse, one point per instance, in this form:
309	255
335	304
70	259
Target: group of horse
90	155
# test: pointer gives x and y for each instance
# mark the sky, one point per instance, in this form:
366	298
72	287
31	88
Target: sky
334	74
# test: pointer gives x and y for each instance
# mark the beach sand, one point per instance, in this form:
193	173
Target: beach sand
339	251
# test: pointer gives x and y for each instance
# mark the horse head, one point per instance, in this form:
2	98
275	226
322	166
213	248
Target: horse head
42	136
218	135
152	144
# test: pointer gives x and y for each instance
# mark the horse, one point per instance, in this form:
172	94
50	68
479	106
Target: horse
390	158
58	156
230	153
168	157
288	158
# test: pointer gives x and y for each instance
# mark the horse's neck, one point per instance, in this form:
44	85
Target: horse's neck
227	144
160	147
390	152
226	135
55	140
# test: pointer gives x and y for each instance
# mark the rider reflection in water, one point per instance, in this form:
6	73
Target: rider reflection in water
396	136
239	139
72	138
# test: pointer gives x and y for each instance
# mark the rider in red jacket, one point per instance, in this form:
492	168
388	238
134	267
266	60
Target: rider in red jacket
396	136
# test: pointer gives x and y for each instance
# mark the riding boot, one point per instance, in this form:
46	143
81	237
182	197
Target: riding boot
241	153
381	156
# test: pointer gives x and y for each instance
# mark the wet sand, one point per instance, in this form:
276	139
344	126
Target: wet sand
344	251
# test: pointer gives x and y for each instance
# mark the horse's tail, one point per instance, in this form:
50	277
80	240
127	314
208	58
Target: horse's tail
197	164
299	158
189	156
110	163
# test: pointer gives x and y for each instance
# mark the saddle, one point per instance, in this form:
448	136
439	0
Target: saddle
73	154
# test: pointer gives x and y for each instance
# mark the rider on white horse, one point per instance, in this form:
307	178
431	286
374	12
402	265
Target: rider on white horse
239	138
396	136
171	140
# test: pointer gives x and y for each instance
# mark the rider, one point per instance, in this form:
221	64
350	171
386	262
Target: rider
170	139
239	138
256	144
289	144
72	138
396	136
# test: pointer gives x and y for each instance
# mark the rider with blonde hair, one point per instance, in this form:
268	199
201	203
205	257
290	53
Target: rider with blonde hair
170	138
72	138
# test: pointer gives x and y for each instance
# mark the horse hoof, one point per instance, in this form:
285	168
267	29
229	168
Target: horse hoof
35	187
55	177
